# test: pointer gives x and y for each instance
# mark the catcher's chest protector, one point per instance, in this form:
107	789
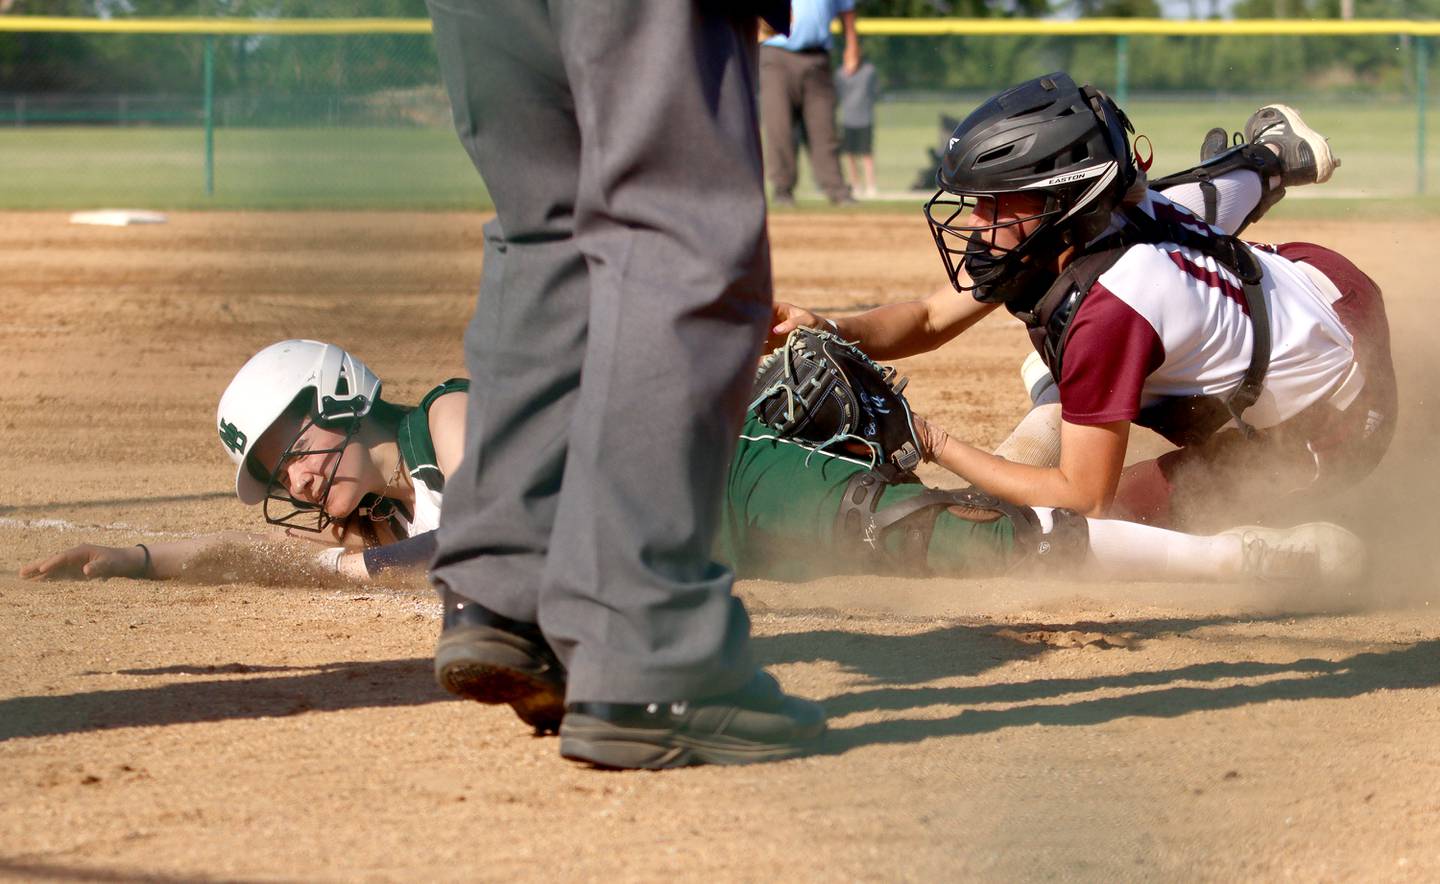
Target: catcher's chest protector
1183	420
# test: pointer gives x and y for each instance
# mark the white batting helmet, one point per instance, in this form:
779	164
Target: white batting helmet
344	389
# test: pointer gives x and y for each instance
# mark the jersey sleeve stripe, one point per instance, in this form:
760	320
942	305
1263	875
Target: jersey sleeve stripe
1212	278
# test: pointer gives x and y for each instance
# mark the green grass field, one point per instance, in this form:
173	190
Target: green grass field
1376	143
358	168
162	168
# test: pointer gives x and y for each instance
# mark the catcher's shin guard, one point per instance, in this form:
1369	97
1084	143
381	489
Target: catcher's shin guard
1053	538
863	525
1256	158
860	527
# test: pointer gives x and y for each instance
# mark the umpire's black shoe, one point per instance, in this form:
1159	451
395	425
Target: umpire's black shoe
759	722
493	659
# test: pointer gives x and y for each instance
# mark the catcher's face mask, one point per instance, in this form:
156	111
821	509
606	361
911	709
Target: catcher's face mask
298	488
987	235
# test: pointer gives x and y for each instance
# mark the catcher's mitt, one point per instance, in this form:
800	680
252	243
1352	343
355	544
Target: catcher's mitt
821	391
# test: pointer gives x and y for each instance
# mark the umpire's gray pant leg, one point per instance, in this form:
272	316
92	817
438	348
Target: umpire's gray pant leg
526	339
671	220
668	212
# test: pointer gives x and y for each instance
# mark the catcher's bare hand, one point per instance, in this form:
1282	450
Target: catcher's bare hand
88	562
932	438
786	317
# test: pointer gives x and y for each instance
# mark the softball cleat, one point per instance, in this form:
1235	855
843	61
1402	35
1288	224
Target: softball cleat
1316	553
1216	142
1305	154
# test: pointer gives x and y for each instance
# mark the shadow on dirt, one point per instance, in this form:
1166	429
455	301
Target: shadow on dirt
896	665
336	686
963	650
1413	667
22	870
67	505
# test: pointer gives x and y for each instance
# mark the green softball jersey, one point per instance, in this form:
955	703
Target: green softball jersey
417	452
780	514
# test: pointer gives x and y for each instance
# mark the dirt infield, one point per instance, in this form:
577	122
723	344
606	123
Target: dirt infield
224	729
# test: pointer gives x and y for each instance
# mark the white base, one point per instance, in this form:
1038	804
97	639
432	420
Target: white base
117	217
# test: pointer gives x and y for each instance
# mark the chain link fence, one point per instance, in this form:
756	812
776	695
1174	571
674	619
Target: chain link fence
360	120
279	121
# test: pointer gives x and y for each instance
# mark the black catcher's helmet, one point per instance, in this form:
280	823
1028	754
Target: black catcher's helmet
1063	143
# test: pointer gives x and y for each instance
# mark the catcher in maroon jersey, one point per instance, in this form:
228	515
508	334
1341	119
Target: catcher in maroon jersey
1268	367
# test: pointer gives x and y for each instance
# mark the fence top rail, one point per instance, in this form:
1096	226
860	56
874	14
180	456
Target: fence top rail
217	26
873	26
1146	27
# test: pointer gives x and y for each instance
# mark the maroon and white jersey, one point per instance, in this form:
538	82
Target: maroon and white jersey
1168	321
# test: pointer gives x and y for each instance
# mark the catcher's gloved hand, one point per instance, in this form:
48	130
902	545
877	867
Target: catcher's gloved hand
821	391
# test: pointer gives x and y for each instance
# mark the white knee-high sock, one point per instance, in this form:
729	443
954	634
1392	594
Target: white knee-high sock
1131	551
1237	193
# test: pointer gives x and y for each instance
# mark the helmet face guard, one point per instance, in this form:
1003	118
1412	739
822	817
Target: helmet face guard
974	247
288	510
1049	138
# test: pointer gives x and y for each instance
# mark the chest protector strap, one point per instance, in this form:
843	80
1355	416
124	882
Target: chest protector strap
1183	420
1247	157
